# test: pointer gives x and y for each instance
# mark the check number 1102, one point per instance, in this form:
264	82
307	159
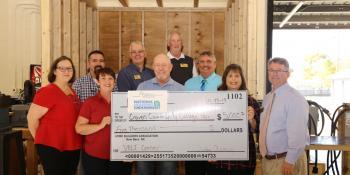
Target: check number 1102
235	96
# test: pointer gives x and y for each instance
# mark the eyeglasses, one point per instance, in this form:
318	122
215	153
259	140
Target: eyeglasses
137	52
160	65
65	69
276	71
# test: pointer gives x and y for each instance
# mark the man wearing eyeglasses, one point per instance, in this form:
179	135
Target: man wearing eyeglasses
283	127
136	72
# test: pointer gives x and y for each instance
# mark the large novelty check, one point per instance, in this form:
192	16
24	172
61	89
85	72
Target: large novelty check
195	126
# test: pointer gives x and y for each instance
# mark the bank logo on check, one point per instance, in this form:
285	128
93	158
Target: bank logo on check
146	104
147	101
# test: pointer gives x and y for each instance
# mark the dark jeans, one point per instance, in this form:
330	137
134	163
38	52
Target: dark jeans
56	162
213	170
195	167
157	167
97	166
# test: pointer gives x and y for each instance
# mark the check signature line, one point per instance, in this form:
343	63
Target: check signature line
169	120
146	151
217	151
174	132
232	119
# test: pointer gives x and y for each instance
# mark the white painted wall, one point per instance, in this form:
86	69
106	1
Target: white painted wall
20	42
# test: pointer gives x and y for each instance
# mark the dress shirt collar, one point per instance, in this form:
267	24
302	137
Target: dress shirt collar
209	78
173	57
99	96
92	78
281	89
170	82
135	67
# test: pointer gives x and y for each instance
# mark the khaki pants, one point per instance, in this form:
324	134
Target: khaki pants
274	166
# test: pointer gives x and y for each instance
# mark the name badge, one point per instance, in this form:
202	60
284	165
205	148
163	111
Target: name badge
183	65
137	77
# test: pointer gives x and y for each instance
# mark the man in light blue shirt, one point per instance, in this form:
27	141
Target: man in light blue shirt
162	80
283	127
207	80
162	68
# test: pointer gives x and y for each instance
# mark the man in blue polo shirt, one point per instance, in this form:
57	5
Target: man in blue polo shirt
207	80
162	67
136	72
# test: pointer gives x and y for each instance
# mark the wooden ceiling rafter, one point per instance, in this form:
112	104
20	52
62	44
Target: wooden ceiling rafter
195	3
91	3
124	3
160	3
229	3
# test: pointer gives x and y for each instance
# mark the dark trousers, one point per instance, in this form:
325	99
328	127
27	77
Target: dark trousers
195	167
157	168
56	162
214	170
97	166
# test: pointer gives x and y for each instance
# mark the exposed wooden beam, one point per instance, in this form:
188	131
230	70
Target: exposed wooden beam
124	3
91	3
195	3
160	3
46	43
229	3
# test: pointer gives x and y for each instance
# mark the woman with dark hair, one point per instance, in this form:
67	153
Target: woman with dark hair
233	80
51	120
94	123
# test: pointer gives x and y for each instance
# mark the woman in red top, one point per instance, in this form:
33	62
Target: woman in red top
94	122
233	80
51	120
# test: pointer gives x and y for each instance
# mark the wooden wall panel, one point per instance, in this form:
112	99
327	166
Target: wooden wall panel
67	28
201	30
235	32
131	30
180	21
82	37
75	35
154	35
201	33
109	37
219	41
57	28
46	44
243	33
89	18
246	42
94	30
251	76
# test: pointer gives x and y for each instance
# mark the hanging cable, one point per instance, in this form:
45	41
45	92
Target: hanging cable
313	122
332	156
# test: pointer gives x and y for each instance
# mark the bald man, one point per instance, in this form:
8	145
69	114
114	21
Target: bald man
162	68
162	80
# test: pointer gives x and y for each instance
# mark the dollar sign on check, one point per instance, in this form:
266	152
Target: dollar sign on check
219	117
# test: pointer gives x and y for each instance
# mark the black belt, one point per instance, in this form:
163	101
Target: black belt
276	156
